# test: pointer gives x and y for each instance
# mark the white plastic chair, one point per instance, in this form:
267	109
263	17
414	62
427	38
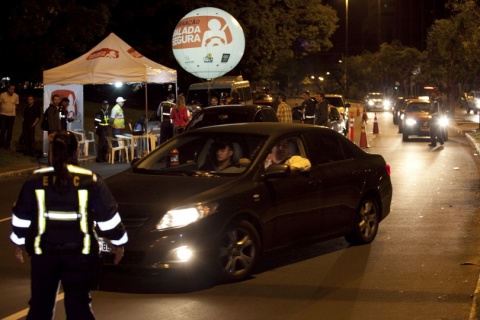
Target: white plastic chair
82	145
121	147
90	141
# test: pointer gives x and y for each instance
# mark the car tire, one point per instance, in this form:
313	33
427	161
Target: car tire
238	252
395	120
366	221
400	127
405	136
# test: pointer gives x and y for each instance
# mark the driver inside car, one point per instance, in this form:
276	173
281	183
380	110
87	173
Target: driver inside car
281	155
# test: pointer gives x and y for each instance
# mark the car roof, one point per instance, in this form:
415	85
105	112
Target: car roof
252	107
267	128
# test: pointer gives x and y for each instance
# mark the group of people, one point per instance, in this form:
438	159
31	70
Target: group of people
313	110
103	119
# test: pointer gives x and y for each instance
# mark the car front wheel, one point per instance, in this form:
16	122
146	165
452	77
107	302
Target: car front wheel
238	251
366	222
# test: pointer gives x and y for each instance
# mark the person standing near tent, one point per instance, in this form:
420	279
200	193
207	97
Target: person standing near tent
101	128
117	119
163	112
179	114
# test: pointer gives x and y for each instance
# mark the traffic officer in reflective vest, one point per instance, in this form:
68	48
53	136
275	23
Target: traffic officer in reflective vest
163	112
56	219
101	128
117	119
308	107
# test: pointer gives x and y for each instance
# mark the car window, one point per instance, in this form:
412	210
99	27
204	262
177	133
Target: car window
212	118
191	153
335	101
326	147
418	107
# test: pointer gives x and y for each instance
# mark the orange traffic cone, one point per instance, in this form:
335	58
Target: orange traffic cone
364	116
358	110
363	137
375	124
351	127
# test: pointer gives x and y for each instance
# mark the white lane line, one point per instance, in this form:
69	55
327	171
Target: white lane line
24	312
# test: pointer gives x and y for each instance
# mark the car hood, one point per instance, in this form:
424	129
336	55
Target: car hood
418	115
164	191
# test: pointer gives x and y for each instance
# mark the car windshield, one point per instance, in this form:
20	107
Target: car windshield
376	96
225	116
335	101
418	107
203	154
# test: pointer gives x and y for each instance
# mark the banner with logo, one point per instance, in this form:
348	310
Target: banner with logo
74	93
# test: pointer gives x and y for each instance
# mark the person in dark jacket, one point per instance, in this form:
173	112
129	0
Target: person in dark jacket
101	128
31	116
56	219
163	112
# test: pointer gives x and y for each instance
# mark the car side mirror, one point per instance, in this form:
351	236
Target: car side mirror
275	171
347	105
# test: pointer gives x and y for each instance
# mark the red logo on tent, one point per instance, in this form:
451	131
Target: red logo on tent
134	53
104	53
70	95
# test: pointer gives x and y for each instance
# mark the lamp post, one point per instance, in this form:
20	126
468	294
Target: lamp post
346	45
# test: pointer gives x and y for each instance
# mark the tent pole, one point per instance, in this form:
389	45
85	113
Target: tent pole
146	107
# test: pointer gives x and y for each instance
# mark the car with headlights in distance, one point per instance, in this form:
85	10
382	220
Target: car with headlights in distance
473	101
182	214
376	101
417	120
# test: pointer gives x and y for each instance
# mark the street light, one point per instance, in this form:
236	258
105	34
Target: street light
346	45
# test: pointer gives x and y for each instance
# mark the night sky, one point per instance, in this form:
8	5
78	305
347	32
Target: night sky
404	20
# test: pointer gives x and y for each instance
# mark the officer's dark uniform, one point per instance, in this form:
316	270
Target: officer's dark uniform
57	230
435	126
166	126
101	128
309	106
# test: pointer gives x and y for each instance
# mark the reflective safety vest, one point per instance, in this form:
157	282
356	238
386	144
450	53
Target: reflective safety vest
81	216
101	119
118	119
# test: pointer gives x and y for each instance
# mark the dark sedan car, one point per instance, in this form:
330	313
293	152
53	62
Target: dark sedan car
227	114
179	214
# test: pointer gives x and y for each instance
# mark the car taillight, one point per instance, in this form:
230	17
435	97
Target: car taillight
387	169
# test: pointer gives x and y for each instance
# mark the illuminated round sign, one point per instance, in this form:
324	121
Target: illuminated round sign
208	42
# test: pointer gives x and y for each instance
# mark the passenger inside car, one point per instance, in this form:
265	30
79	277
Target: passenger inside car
286	152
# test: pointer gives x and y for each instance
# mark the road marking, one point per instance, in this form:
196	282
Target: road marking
24	312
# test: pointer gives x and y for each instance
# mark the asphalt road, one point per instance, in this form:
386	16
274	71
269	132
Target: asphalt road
424	263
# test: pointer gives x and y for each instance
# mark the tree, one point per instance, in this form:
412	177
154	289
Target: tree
452	49
38	35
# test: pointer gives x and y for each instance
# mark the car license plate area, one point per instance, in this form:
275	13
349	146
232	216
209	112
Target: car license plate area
104	245
425	127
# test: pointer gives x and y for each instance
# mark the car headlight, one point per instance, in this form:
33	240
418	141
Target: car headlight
410	122
370	102
443	121
180	217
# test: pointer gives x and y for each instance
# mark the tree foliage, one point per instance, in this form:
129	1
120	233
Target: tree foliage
452	48
42	34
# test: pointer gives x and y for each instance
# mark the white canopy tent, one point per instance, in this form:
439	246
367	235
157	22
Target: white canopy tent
109	62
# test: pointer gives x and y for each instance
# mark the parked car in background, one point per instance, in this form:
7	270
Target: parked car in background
337	101
215	115
179	215
376	101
